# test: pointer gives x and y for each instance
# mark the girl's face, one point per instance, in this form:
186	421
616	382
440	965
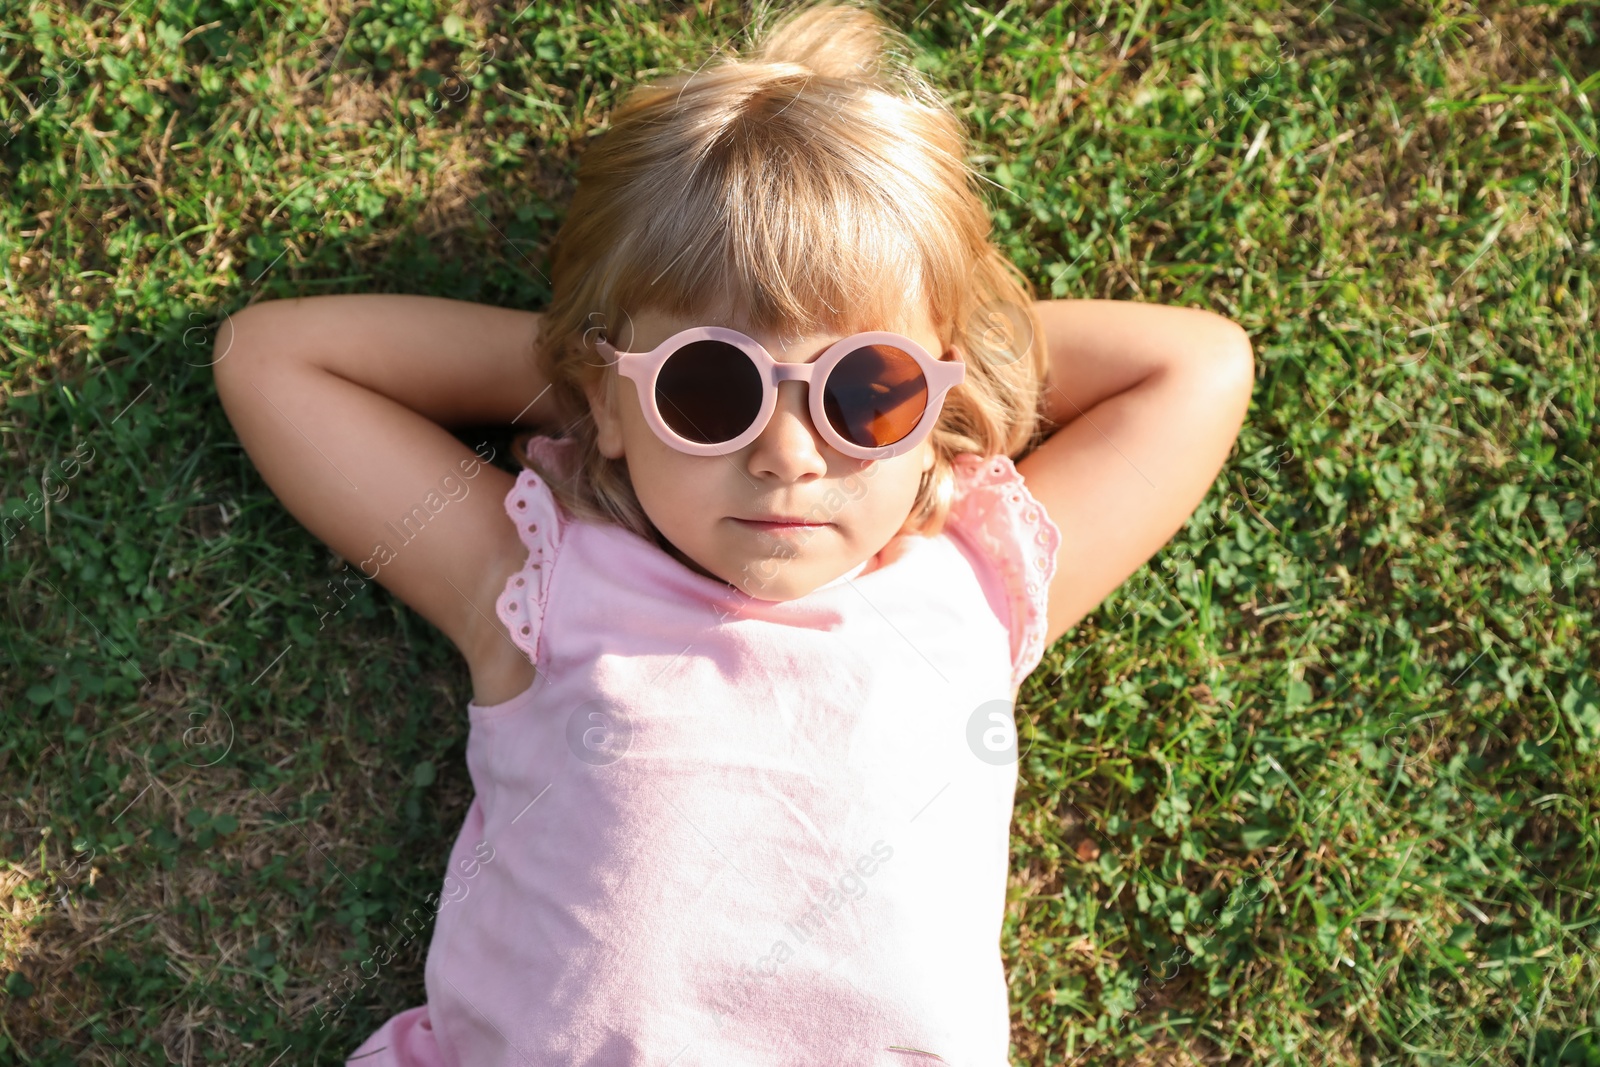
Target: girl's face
789	470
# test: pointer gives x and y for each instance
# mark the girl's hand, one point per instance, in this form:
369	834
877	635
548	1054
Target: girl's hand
341	402
1149	399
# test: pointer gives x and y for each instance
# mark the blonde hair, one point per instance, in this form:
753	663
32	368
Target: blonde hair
818	186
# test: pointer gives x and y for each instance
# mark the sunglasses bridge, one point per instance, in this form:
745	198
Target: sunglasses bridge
792	372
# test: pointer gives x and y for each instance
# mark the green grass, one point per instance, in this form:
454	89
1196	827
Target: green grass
1317	785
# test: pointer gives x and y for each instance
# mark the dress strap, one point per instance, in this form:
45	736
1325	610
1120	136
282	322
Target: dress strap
995	511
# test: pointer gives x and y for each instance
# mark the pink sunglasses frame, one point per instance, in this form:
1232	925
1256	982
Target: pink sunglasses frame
643	367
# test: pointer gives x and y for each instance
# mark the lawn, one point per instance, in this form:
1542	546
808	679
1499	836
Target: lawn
1320	784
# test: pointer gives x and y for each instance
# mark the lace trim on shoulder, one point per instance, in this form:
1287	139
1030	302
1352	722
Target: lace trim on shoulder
538	519
994	507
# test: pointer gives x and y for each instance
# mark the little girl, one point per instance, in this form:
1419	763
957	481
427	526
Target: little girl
746	631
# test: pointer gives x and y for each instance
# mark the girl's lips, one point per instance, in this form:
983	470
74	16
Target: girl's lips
782	527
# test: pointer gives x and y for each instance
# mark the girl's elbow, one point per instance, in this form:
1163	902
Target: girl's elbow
1238	356
226	345
239	333
222	344
1233	377
1234	340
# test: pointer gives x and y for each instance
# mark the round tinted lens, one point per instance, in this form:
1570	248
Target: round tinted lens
708	392
875	396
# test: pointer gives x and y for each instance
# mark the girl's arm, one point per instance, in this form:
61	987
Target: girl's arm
341	402
1148	399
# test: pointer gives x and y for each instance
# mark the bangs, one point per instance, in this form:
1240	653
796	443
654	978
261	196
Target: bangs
782	221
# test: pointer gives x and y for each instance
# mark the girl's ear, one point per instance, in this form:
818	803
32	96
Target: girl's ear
607	422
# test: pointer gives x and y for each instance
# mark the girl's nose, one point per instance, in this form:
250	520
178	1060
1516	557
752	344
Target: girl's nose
789	447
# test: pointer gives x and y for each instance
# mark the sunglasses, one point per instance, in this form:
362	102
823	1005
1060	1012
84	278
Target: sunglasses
709	391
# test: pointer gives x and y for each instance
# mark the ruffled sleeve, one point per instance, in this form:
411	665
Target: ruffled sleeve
540	524
995	512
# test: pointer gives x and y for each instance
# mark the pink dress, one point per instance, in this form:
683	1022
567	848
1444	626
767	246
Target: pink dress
723	831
